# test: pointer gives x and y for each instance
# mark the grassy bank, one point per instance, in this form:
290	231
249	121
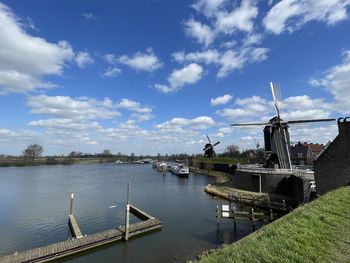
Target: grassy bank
220	160
317	232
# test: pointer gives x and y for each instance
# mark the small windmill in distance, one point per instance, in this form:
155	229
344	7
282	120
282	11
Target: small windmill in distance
209	148
276	136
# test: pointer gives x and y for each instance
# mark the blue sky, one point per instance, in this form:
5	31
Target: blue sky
150	77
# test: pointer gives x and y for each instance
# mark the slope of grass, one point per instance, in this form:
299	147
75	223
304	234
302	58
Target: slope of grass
221	160
317	232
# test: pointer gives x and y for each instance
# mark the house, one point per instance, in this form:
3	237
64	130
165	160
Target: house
332	167
305	153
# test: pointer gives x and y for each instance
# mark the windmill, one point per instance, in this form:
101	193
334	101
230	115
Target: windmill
276	136
209	148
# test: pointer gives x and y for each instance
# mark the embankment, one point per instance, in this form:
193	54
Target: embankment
316	232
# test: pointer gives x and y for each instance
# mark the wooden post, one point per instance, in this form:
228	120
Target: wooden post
71	203
253	219
284	205
234	219
127	214
217	216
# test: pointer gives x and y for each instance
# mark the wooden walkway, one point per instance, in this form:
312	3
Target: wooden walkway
70	247
74	227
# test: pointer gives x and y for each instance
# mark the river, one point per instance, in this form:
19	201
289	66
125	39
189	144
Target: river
34	204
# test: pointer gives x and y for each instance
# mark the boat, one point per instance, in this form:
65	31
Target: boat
160	166
180	170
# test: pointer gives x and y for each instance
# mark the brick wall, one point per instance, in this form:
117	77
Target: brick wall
332	168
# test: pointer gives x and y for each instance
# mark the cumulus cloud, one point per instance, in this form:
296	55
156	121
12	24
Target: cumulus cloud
65	124
25	60
235	60
202	122
290	15
208	7
189	74
336	80
199	31
207	56
83	59
112	72
69	108
241	18
141	61
221	100
228	61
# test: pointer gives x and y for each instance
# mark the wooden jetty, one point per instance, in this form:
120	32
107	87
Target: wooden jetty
70	247
85	242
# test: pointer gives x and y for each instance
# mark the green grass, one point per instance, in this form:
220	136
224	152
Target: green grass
221	160
317	232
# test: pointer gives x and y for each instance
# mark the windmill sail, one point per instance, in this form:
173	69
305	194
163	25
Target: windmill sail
276	135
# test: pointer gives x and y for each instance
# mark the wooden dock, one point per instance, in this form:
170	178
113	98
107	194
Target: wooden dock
70	247
83	243
74	227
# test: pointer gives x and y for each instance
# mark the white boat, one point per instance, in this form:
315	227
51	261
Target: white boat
180	170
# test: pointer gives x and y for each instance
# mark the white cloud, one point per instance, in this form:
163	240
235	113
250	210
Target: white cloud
208	7
89	16
140	61
68	108
24	59
208	56
221	100
189	74
112	72
201	32
202	122
84	59
228	61
234	60
336	80
254	106
290	15
65	124
241	18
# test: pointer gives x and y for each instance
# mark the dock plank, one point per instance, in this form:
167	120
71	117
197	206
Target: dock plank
70	247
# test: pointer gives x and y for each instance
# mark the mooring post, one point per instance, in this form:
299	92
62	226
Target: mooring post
71	203
234	219
217	216
253	219
127	214
284	205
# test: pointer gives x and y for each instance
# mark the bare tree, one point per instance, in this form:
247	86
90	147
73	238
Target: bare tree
232	151
33	151
106	153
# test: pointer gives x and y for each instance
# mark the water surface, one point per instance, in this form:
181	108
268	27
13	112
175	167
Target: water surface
34	204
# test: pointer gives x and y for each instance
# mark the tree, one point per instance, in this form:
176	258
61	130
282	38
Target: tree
33	151
232	151
106	153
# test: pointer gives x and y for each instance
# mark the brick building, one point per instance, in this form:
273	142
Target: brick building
332	167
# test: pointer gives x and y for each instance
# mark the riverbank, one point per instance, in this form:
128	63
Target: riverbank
316	232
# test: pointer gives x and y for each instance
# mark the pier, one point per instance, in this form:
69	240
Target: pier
82	242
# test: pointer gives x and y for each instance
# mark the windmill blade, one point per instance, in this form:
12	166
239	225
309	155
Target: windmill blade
273	90
309	121
250	124
216	143
208	138
207	148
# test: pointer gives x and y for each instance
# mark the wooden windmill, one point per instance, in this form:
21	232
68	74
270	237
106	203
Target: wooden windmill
209	148
276	136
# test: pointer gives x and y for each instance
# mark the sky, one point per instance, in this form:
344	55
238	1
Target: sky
156	76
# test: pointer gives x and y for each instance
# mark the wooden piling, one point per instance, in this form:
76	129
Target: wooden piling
127	214
71	203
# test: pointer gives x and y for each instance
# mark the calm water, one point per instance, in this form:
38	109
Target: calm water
34	203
